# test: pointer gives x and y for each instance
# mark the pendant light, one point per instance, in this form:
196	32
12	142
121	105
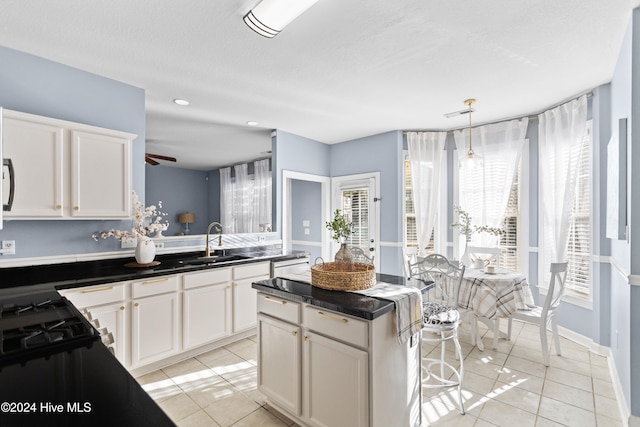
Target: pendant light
473	159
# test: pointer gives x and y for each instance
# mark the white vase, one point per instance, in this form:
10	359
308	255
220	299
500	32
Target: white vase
466	256
145	250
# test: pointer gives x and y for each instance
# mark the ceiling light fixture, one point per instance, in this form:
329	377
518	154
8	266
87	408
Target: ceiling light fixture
472	158
270	17
182	102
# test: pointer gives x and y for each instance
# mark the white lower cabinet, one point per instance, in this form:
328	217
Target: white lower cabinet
244	296
280	351
323	368
335	383
206	307
154	320
107	304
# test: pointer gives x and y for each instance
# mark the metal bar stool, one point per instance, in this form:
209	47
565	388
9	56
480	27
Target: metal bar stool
440	320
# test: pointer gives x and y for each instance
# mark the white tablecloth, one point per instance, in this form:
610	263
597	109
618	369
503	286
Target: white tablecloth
494	295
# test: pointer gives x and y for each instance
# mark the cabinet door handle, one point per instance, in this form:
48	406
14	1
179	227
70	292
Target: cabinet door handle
304	337
277	301
76	208
294	333
337	319
108	288
151	282
136	304
122	307
58	207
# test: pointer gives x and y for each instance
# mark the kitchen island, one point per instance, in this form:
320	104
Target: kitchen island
332	358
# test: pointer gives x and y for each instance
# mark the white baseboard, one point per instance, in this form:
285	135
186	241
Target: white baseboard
601	350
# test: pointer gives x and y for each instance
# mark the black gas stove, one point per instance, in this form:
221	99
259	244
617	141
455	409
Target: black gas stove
39	326
55	371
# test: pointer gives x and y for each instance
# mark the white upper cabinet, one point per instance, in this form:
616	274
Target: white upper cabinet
67	170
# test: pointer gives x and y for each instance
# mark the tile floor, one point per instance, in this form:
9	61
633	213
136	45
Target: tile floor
504	387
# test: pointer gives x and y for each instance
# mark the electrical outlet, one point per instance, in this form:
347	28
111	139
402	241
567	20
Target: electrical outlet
128	242
159	245
262	239
8	247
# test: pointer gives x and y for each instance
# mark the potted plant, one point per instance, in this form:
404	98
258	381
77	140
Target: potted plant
466	229
341	229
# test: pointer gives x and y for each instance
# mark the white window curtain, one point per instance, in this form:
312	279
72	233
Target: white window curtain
226	200
485	183
245	200
560	134
427	158
262	195
242	198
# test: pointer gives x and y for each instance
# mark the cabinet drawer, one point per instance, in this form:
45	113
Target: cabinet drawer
252	270
286	310
336	325
154	286
96	295
210	277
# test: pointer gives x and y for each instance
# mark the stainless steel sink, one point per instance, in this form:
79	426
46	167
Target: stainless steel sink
214	260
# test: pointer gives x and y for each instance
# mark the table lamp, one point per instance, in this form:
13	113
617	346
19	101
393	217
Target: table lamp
186	219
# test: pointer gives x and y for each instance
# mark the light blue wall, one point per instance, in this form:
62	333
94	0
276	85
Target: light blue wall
307	205
621	326
298	154
180	190
379	153
38	86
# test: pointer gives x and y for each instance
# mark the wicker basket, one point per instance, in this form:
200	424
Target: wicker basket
331	275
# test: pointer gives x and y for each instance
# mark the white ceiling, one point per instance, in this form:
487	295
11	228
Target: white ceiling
343	70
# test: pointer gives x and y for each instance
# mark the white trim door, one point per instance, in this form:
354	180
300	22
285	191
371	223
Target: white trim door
358	196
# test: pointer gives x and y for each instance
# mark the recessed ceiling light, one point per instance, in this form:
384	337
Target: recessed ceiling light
181	101
252	123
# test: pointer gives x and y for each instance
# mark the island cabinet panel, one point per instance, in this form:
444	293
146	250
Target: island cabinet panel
336	383
352	371
280	354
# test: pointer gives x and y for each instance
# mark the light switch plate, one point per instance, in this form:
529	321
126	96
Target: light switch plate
306	223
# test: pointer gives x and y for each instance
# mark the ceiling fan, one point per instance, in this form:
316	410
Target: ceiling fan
149	158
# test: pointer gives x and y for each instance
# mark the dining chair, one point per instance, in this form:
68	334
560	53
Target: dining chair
546	315
360	256
493	252
409	256
440	320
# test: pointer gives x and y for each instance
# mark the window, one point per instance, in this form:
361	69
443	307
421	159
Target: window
410	228
579	250
509	241
355	205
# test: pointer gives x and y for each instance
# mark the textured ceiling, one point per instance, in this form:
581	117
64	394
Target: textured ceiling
343	70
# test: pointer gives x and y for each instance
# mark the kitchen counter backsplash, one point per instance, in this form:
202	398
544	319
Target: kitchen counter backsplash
68	275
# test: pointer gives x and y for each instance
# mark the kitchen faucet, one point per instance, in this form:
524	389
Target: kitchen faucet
207	251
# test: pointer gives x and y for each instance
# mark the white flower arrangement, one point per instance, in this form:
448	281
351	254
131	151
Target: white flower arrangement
139	229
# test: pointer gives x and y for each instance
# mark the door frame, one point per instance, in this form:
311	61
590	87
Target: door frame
374	208
287	203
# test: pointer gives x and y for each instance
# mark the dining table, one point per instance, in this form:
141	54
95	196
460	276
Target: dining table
491	296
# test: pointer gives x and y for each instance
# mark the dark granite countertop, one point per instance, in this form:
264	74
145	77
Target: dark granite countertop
351	303
85	273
